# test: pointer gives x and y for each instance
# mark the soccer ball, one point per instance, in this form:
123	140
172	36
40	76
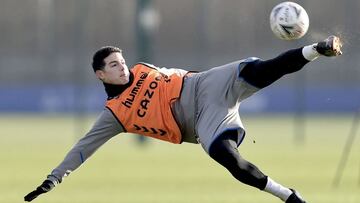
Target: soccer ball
289	21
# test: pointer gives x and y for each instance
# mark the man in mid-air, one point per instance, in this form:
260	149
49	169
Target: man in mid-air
179	106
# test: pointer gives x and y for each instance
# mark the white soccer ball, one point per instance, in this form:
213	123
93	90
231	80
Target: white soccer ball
289	21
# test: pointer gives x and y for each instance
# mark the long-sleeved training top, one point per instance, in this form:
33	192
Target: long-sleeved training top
107	126
207	106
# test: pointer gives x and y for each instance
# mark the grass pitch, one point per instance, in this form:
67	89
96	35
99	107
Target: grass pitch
123	171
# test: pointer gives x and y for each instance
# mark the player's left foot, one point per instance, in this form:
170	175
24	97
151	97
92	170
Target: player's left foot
331	46
295	198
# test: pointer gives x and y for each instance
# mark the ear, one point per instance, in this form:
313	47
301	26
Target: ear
100	74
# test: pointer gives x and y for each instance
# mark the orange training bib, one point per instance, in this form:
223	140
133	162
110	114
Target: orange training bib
145	107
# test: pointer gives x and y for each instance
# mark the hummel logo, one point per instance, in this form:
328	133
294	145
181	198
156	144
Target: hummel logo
149	129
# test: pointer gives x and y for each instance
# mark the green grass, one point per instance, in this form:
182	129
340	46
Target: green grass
121	171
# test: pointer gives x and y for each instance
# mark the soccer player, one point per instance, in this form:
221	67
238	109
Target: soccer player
178	106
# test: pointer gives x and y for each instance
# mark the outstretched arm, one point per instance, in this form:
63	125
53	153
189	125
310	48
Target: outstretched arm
105	127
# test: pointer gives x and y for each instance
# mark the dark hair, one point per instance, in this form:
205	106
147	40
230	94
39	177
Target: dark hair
99	56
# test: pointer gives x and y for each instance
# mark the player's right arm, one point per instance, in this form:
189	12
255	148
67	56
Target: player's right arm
105	127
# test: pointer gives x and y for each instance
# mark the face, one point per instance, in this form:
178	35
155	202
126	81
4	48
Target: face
115	71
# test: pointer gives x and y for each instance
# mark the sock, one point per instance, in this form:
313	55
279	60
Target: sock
277	190
309	52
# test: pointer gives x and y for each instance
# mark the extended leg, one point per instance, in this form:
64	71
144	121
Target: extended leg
224	151
263	73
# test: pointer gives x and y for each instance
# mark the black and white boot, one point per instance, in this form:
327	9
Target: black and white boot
295	198
331	46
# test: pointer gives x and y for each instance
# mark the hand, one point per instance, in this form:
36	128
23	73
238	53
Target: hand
46	186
